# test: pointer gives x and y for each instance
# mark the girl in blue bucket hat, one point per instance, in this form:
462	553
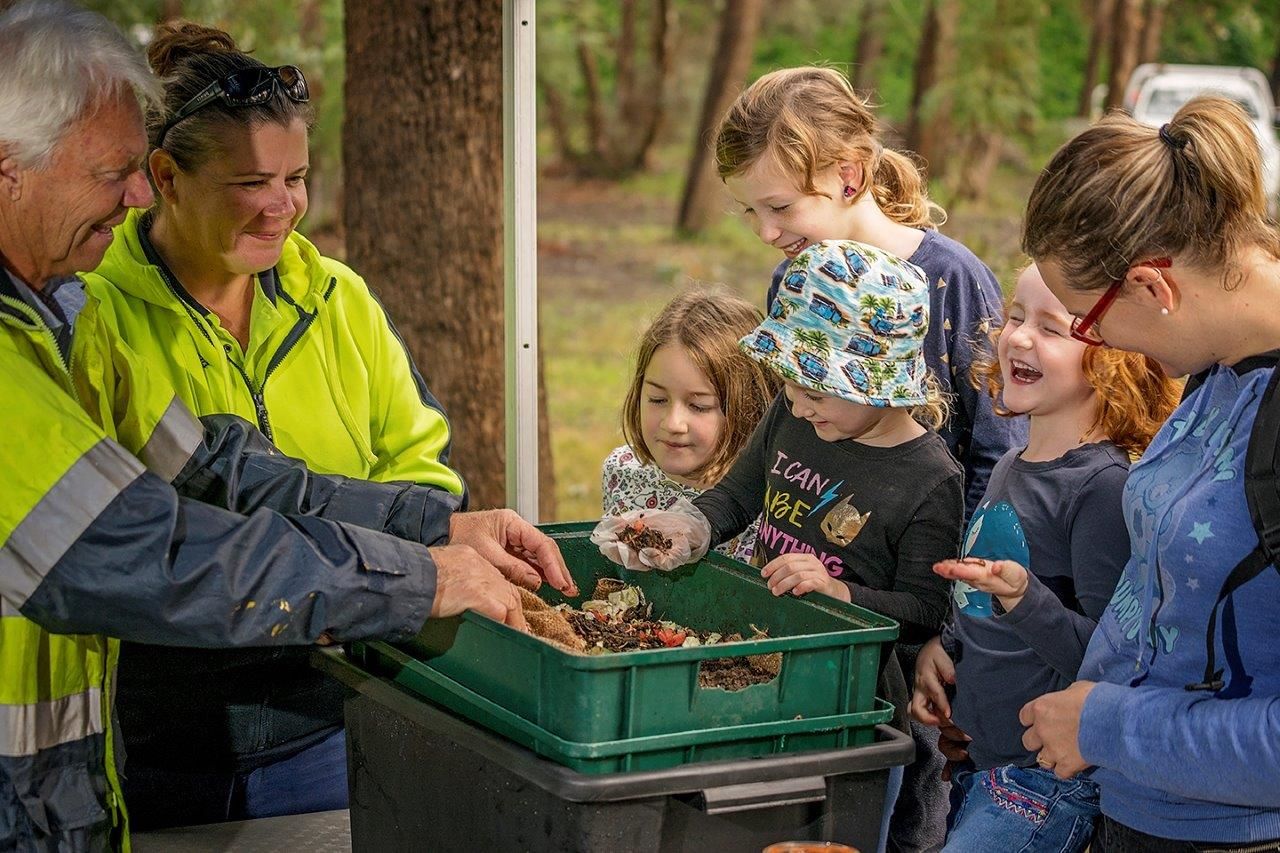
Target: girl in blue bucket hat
859	493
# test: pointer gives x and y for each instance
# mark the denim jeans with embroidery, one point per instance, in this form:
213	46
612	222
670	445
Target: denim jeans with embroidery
1022	810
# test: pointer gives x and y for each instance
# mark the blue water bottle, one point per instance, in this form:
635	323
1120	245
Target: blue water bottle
995	533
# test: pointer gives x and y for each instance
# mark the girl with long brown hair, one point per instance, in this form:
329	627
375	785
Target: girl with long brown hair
694	400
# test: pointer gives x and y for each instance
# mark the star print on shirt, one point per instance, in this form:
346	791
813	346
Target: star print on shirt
1200	531
1193	584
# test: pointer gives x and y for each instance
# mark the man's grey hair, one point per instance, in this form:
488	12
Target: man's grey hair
56	61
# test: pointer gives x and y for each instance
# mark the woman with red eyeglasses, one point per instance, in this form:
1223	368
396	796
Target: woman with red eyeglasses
1159	241
216	291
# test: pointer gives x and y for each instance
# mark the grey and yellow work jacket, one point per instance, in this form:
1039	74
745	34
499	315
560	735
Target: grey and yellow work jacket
125	517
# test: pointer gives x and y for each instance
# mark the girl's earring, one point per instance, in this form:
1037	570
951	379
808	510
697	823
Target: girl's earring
848	192
1164	311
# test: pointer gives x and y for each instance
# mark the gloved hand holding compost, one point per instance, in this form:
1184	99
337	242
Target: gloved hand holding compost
641	540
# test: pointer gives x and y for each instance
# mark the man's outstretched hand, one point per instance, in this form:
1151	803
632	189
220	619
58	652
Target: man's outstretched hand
522	552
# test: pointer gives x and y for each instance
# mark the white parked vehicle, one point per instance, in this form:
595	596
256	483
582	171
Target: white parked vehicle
1156	91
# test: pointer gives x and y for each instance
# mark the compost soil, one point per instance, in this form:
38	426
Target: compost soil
637	536
596	631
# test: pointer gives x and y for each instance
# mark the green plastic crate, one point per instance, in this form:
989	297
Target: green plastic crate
831	655
654	752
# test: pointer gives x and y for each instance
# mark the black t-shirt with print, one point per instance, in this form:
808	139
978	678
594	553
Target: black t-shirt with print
877	517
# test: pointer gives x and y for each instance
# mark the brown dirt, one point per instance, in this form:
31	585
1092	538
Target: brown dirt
636	630
637	536
736	673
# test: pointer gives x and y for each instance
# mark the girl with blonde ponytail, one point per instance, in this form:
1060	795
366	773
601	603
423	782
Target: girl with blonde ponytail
801	153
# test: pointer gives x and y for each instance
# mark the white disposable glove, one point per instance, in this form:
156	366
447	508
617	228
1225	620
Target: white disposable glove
683	525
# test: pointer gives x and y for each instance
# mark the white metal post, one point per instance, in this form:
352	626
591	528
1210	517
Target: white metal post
520	267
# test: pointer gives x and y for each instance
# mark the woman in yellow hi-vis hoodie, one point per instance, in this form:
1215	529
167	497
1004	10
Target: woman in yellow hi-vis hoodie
215	290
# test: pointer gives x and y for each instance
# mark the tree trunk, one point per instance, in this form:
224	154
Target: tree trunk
1126	32
546	466
625	77
597	140
422	147
739	23
662	52
927	125
324	176
1152	30
555	115
870	46
1099	38
981	158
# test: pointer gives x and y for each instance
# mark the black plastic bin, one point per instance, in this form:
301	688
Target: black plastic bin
422	779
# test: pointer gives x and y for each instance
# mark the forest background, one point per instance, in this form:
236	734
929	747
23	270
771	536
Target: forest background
406	161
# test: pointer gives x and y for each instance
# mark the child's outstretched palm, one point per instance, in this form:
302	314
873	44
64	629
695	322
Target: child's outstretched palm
1004	579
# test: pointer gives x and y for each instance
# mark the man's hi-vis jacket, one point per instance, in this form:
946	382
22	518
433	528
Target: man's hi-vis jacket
124	517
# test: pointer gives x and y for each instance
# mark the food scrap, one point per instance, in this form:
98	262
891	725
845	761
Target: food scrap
618	618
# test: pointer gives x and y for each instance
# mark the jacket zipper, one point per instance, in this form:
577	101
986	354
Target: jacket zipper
24	312
295	334
256	393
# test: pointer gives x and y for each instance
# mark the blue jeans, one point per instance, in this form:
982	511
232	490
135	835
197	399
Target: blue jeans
1022	810
314	780
893	787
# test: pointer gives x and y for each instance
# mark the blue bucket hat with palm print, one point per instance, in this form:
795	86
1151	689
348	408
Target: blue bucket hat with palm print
849	321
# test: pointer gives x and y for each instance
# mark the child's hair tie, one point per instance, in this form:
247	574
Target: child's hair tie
1177	144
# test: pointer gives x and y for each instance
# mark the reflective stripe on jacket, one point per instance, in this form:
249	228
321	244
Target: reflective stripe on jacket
61	789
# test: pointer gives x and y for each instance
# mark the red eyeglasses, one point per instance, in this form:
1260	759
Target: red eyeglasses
1081	326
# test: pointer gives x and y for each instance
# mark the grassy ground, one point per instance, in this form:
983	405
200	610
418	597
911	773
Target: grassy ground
608	259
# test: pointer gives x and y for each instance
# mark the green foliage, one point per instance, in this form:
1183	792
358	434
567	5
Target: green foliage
809	32
799	32
1222	32
1062	46
998	87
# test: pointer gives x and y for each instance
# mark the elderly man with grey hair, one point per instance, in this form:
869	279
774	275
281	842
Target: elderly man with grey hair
123	516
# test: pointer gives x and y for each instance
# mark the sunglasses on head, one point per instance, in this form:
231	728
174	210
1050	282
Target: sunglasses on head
244	88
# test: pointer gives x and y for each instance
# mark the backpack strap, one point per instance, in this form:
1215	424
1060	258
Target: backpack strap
1262	469
1262	494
